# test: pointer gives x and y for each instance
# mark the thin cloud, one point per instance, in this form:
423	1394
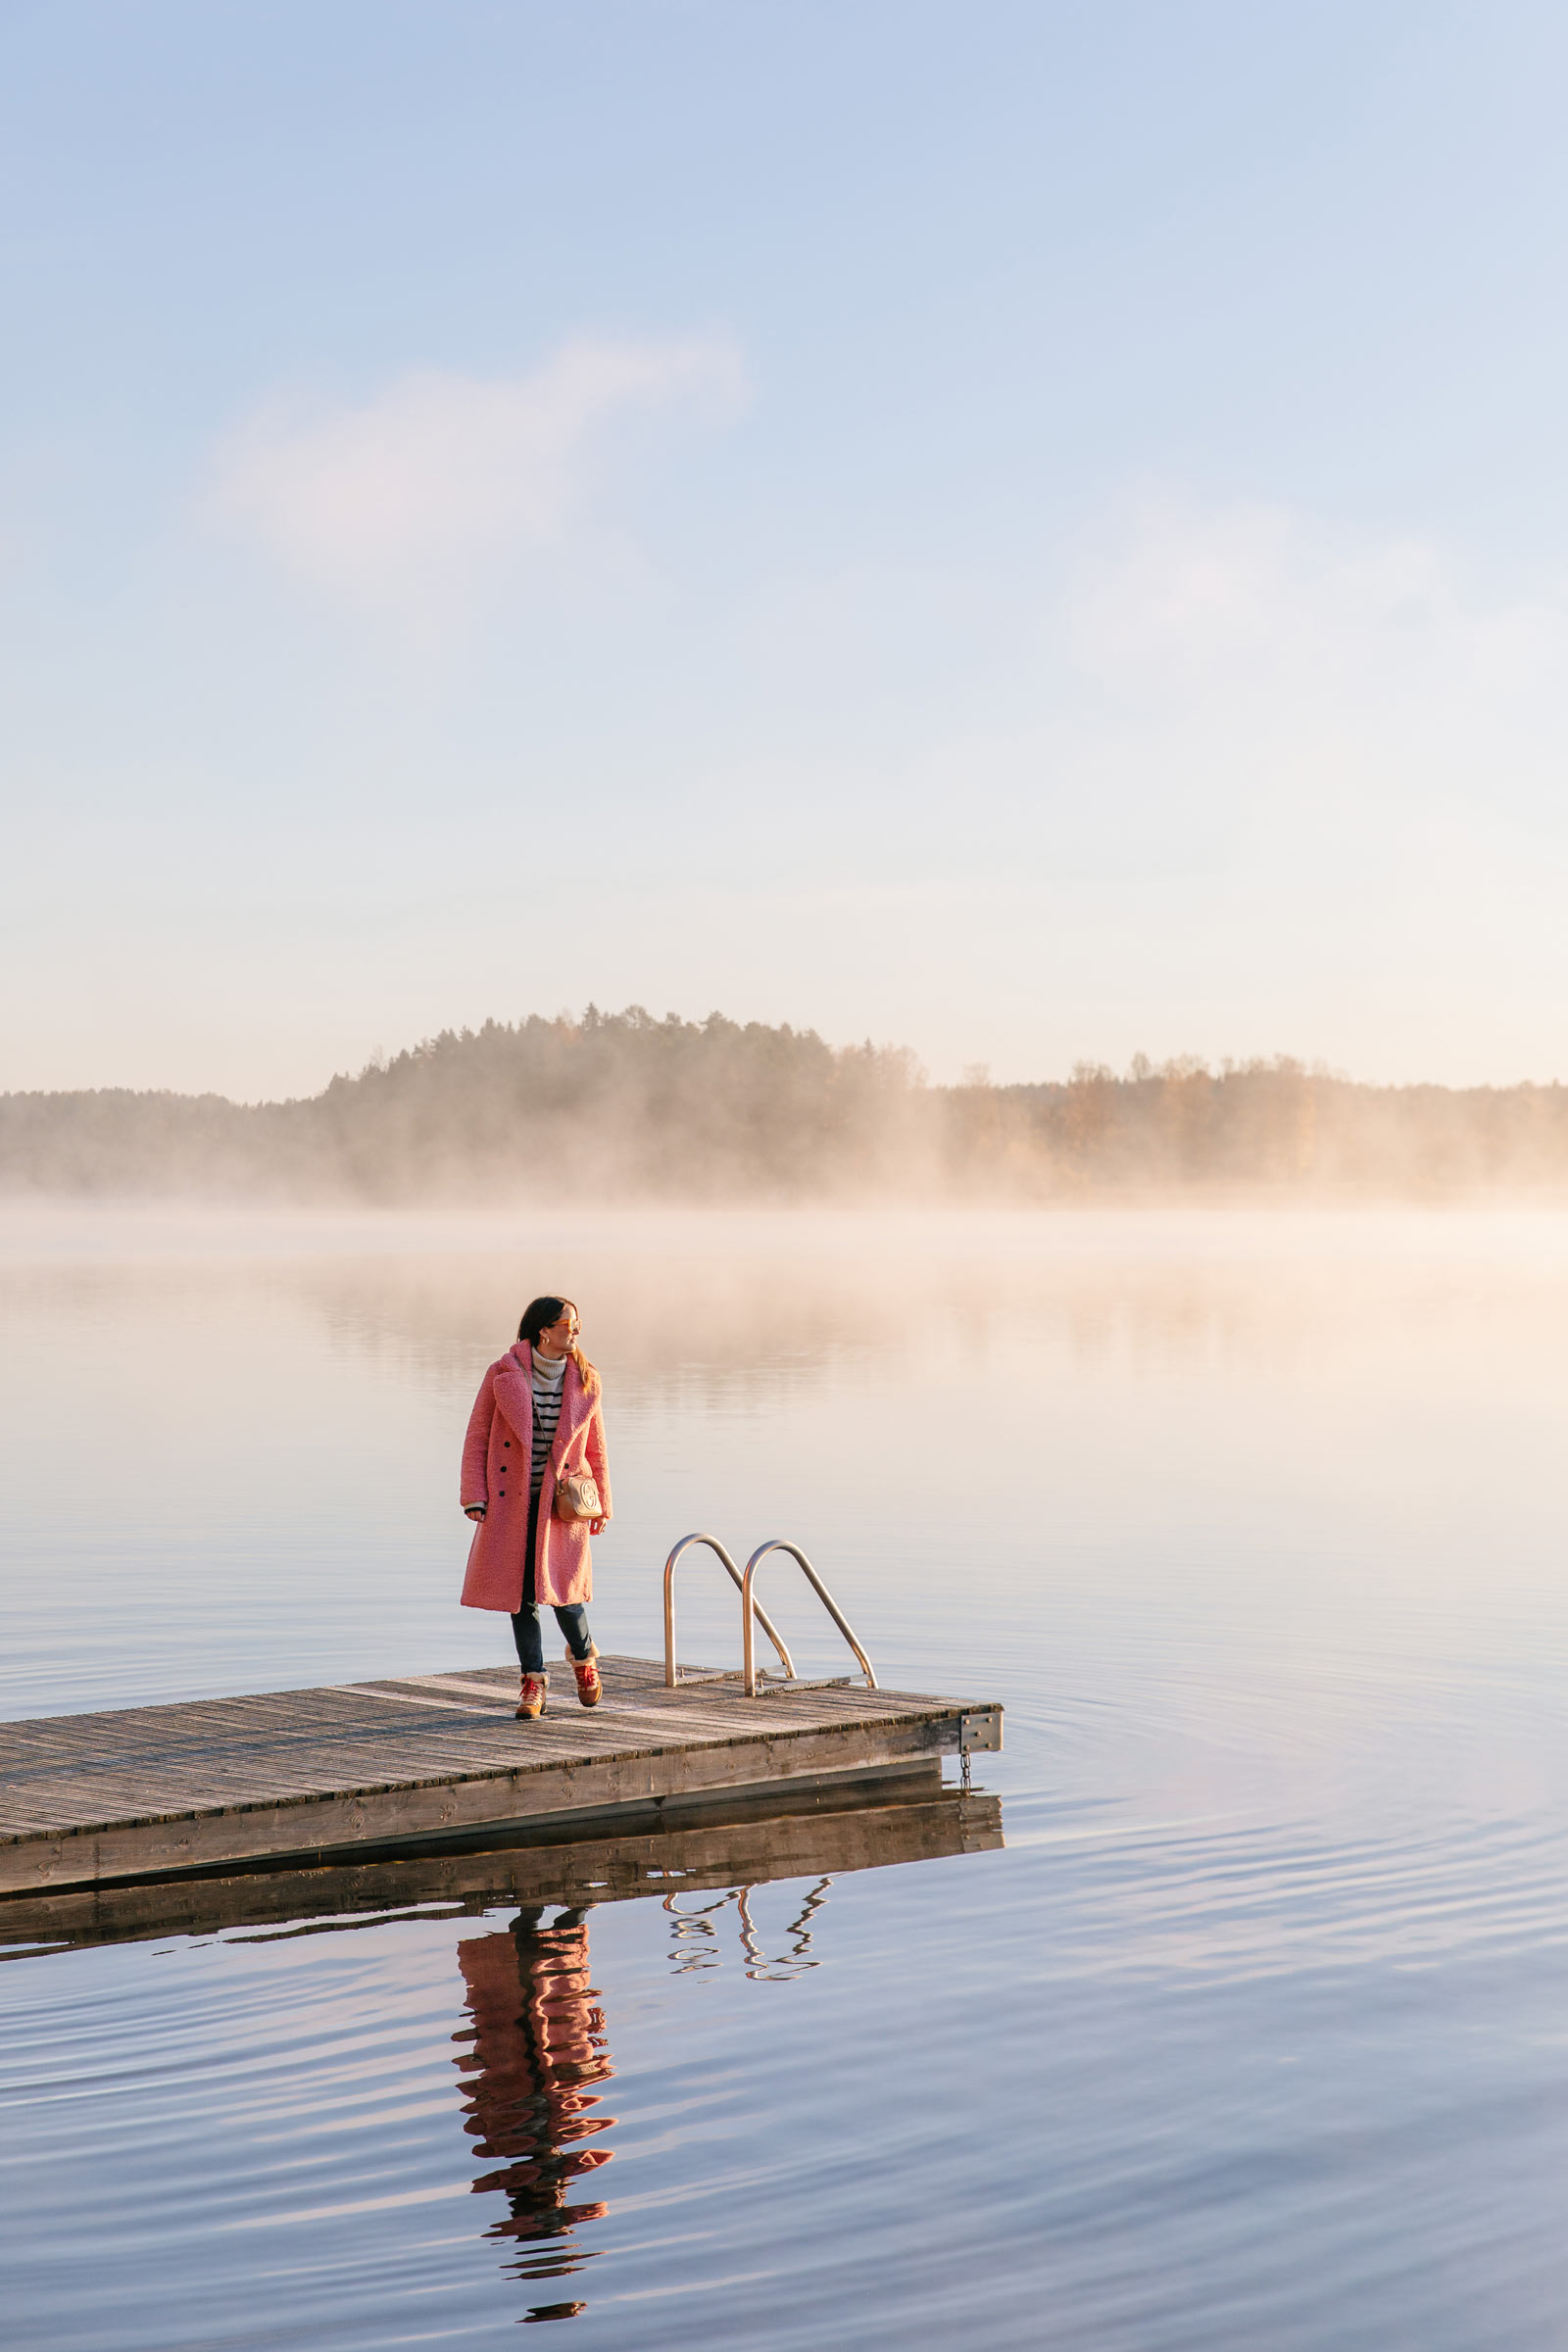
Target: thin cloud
409	502
1251	651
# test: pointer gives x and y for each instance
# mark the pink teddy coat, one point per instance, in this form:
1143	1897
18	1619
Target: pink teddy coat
496	1453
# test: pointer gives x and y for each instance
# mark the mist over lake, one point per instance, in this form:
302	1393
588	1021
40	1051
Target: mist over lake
622	1107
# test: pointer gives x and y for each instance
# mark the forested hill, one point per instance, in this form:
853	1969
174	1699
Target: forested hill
544	1108
625	1106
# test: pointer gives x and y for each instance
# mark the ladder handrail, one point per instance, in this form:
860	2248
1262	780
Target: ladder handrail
671	1675
751	1606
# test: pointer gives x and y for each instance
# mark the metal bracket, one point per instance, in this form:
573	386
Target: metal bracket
980	1731
777	1685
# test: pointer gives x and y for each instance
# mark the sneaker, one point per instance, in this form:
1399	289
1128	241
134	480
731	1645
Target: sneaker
532	1696
590	1690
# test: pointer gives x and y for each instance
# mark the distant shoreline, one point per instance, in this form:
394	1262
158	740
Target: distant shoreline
619	1109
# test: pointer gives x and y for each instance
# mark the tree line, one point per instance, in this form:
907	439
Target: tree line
627	1106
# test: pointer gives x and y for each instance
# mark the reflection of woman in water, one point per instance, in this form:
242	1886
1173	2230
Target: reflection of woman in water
537	1416
538	2037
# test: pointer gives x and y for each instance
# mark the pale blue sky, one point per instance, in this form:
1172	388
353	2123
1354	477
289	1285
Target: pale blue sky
1028	532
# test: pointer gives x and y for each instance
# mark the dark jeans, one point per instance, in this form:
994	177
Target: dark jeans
572	1619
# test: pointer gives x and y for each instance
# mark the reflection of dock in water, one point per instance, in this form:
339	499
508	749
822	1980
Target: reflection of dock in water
533	2049
811	1832
535	2059
417	1761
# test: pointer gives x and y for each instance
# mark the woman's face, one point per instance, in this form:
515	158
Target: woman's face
557	1337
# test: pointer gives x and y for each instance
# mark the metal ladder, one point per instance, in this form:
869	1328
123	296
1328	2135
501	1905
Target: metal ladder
758	1683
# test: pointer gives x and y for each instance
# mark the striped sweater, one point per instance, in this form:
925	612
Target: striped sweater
549	1380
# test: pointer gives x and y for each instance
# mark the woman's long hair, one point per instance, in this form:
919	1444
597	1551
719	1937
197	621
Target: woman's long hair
538	1315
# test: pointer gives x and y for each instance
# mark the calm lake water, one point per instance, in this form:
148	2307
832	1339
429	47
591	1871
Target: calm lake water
1255	2034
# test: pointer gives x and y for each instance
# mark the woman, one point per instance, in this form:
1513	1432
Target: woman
536	1417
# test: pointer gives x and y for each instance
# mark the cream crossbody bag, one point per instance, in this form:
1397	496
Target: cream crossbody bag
576	1495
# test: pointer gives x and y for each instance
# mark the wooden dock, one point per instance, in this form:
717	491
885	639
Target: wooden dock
366	1770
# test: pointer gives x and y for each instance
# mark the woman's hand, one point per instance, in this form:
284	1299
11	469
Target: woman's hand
473	1510
597	1527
